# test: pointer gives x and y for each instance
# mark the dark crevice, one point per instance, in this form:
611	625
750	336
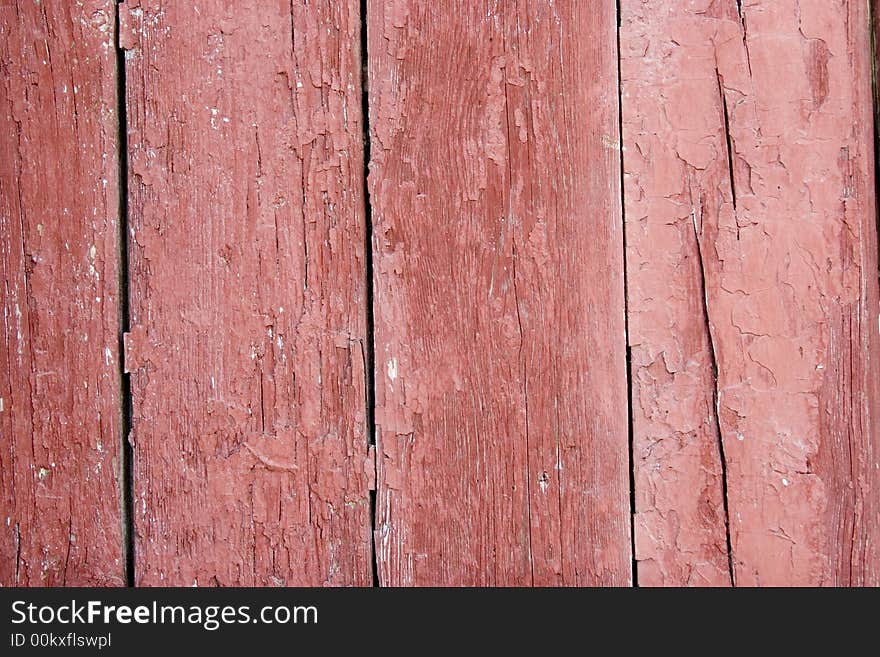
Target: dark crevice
632	461
629	380
745	35
716	399
725	115
872	23
369	347
127	482
726	118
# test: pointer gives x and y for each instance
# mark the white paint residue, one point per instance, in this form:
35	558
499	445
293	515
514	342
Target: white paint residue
392	369
108	356
785	481
17	313
544	481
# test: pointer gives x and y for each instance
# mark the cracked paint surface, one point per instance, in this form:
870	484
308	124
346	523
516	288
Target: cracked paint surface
60	522
748	181
248	294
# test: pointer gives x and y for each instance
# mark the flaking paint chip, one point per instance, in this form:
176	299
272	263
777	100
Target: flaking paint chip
392	369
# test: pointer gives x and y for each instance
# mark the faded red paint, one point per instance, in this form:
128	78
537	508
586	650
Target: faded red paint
500	364
498	252
751	245
60	516
248	293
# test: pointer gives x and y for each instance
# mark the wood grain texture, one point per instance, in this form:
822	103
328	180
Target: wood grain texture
59	234
247	293
500	365
751	234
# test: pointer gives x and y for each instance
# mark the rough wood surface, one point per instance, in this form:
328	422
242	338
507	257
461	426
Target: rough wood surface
752	251
500	352
502	456
247	293
59	361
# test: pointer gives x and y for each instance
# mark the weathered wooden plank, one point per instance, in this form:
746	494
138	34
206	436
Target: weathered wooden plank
680	523
500	365
751	235
59	235
247	293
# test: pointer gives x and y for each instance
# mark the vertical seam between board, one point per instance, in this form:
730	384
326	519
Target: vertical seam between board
875	97
370	349
875	118
126	480
634	574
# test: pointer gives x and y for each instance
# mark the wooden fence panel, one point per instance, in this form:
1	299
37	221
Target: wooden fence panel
248	282
487	273
752	261
501	403
59	366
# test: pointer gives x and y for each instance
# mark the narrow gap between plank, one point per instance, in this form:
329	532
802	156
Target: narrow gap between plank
126	479
629	392
872	27
716	395
716	404
369	347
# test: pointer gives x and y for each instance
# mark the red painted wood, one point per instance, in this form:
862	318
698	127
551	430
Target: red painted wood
500	363
248	293
498	252
752	248
60	432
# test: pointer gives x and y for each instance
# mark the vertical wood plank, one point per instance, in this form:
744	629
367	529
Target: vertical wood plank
752	260
248	293
675	168
500	365
59	367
